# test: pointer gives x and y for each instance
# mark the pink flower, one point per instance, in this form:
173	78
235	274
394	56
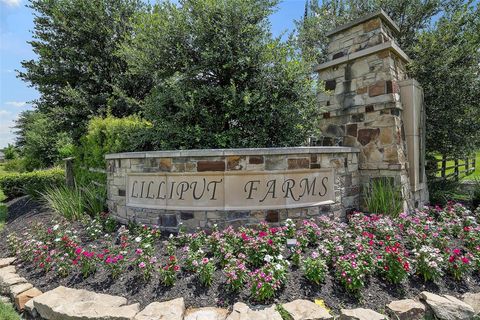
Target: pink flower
78	251
205	260
138	251
141	265
465	260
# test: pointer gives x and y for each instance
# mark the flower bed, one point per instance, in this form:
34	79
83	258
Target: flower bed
432	246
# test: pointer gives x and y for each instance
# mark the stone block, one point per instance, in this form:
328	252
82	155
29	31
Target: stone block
407	309
242	312
66	303
386	136
366	136
208	313
22	298
304	309
272	216
298	163
168	310
275	163
16	289
236	163
210	165
377	89
165	164
5	262
352	129
255	159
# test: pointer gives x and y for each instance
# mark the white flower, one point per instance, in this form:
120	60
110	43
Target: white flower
278	266
280	257
57	239
138	239
171	235
55	227
268	258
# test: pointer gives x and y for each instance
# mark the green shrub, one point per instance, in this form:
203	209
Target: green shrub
15	165
443	190
383	197
110	135
3	210
31	183
476	193
73	203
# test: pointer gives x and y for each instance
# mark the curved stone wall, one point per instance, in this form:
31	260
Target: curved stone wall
201	188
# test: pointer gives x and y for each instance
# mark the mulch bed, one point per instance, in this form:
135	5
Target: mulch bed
24	213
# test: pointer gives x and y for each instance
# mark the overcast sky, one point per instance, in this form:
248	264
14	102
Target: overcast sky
16	22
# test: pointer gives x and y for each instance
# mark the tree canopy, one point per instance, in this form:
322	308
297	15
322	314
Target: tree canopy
220	78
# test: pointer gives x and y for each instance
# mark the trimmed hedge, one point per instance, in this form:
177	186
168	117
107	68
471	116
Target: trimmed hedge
18	184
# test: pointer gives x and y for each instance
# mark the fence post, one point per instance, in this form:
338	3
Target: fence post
456	173
467	165
69	177
444	166
474	162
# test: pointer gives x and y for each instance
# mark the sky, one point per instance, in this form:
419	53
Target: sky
16	24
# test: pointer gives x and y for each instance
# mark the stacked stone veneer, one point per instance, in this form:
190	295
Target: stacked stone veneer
362	103
343	161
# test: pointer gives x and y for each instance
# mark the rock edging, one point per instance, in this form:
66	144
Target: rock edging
72	304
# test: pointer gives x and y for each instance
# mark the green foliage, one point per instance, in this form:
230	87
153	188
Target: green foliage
73	203
3	210
40	142
382	197
8	313
446	61
110	135
31	183
220	80
15	165
76	70
476	193
10	152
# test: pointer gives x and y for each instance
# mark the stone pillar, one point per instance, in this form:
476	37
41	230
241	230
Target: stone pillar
362	104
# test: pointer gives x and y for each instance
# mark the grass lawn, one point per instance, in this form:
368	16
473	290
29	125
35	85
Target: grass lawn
451	163
3	212
8	313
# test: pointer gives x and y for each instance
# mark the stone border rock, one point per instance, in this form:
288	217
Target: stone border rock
75	304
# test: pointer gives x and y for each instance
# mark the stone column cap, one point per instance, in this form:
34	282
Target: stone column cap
379	13
389	45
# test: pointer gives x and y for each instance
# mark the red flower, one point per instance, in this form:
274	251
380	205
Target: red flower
457	252
451	259
176	268
172	258
262	234
465	260
406	266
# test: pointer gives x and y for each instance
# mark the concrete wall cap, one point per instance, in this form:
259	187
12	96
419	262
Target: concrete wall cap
380	14
230	152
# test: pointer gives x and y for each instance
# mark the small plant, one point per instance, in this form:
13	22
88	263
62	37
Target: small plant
315	268
429	263
168	273
458	263
383	197
236	273
206	268
351	272
87	261
393	264
266	281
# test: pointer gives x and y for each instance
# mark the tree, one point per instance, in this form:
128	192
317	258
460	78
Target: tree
446	61
220	79
77	72
41	144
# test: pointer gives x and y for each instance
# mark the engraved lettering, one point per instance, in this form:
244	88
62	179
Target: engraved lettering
133	189
271	189
214	188
193	185
162	183
171	190
181	188
141	192
309	189
287	187
324	185
148	190
251	188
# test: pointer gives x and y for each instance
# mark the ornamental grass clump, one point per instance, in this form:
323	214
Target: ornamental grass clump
382	197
